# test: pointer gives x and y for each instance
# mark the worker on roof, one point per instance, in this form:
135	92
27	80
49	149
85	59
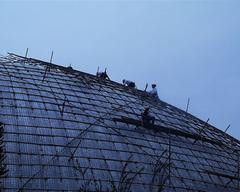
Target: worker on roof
146	118
103	75
154	92
69	67
129	83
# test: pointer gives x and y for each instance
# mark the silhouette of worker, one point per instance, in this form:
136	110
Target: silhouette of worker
146	118
128	83
102	75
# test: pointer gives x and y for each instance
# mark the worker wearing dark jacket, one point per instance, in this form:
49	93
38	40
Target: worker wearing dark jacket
129	83
146	118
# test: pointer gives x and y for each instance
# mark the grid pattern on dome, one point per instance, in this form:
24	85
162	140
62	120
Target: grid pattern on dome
60	133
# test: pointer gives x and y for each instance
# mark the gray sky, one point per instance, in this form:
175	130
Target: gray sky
189	48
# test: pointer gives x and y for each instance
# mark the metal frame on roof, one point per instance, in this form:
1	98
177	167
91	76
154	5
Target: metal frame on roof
60	123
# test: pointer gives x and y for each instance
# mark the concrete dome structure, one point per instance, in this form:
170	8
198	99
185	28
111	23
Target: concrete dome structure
65	130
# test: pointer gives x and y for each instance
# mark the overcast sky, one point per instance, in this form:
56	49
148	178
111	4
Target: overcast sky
189	48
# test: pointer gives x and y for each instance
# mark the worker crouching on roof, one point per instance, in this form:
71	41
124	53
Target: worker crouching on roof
129	83
146	118
103	75
154	92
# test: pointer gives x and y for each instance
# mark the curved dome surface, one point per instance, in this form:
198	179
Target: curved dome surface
65	130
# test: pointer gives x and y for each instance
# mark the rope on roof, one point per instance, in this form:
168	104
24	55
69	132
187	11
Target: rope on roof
45	73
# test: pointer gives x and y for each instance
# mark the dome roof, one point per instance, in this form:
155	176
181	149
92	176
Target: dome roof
65	130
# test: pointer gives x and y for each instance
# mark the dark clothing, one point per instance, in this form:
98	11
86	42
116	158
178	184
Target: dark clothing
146	118
103	75
129	83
